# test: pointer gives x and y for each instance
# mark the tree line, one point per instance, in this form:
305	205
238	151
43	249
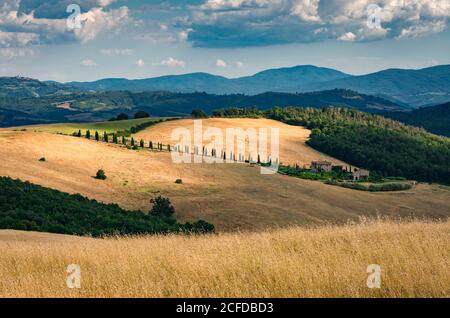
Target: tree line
384	146
30	207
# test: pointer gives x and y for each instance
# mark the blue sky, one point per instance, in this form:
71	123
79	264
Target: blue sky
138	39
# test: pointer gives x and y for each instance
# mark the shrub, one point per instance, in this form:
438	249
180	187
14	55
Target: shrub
198	113
100	175
178	181
42	159
141	114
162	207
122	116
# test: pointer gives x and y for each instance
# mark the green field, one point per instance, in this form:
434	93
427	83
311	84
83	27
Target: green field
108	126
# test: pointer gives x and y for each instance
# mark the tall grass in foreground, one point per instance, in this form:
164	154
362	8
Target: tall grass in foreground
324	262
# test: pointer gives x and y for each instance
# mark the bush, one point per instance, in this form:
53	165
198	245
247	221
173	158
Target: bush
178	181
42	159
162	207
100	175
122	116
141	114
25	206
198	113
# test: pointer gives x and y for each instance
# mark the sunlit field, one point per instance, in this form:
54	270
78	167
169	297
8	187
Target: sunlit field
324	262
108	126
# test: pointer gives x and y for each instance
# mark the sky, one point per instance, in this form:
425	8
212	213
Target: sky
85	40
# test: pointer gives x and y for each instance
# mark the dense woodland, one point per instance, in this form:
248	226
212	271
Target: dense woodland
25	206
435	119
384	146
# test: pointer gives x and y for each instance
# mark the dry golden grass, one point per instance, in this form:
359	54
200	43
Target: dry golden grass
293	149
322	262
231	196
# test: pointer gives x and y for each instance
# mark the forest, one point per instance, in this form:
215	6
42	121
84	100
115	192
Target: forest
29	207
368	141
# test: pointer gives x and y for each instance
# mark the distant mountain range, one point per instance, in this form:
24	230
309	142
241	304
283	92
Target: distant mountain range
88	106
413	88
428	86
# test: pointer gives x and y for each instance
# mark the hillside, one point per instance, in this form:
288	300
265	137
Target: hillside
435	119
295	262
289	79
384	146
412	87
105	105
28	87
231	196
26	206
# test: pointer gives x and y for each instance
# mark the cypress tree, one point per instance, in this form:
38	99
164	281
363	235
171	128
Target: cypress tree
124	140
79	133
142	144
132	142
105	137
88	134
114	138
97	137
259	159
151	145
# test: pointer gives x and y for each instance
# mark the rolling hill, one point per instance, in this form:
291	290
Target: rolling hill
435	119
283	80
231	196
415	88
99	106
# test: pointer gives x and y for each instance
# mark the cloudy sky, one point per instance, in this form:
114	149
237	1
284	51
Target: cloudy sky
67	40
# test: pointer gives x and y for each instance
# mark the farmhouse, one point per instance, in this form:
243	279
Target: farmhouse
317	166
360	174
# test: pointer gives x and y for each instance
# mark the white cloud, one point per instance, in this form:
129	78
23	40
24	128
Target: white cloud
349	36
117	51
88	62
140	63
221	63
172	62
96	21
17	39
11	53
222	23
22	29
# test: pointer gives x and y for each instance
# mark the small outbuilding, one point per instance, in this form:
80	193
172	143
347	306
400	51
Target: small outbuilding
361	174
321	166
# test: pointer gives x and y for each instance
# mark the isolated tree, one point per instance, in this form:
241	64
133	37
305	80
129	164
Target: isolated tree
100	175
88	134
162	207
122	116
198	113
97	137
79	133
141	114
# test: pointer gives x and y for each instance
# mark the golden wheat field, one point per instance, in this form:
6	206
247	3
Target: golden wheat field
293	262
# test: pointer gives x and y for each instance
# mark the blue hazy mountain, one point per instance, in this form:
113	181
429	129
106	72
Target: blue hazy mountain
428	86
290	79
